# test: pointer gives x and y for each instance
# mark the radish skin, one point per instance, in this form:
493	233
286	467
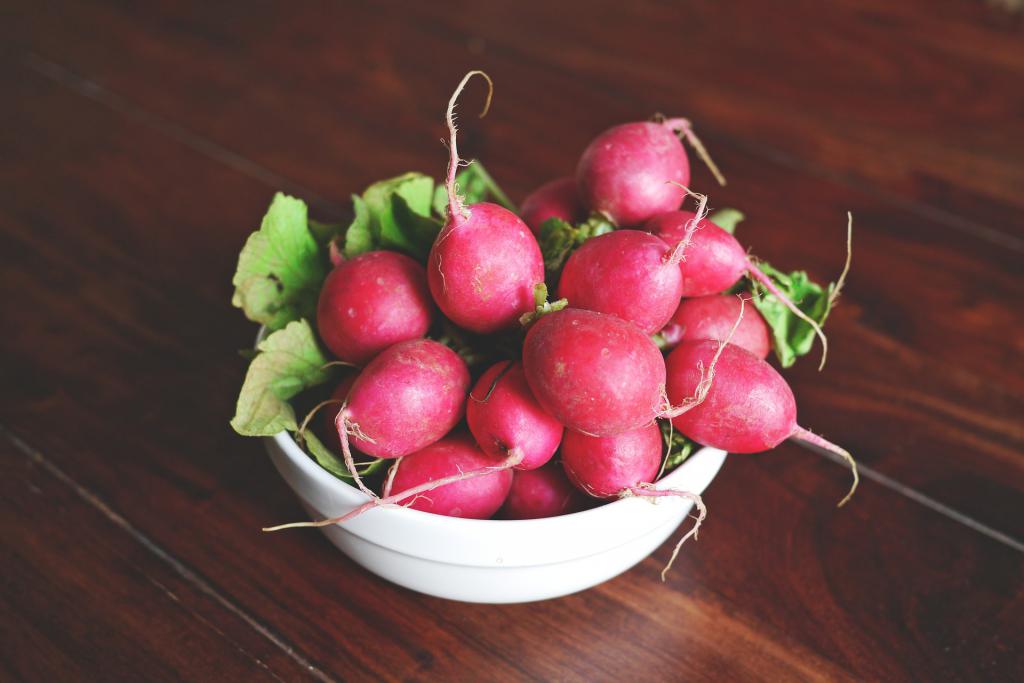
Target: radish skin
544	492
556	199
713	317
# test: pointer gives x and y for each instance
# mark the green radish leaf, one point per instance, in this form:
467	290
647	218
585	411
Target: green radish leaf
558	239
323	232
289	361
678	447
791	336
281	267
394	214
333	462
727	219
475	185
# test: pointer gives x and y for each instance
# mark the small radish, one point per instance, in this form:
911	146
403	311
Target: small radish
621	466
712	317
473	498
557	199
624	170
405	399
713	260
485	262
371	302
594	373
604	467
748	408
630	274
503	414
544	492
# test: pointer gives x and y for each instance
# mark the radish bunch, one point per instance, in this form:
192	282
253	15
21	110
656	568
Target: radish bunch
464	392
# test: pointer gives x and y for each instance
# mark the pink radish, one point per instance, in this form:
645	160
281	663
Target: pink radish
485	262
604	467
630	274
503	415
748	408
624	170
557	199
621	466
713	317
713	261
405	399
473	498
544	492
371	302
594	373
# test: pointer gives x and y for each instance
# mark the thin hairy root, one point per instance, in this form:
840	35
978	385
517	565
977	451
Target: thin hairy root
706	377
515	456
301	433
455	206
648	490
346	426
684	127
767	283
336	363
846	267
390	480
678	253
810	437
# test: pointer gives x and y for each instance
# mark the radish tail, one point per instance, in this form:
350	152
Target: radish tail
766	281
707	377
846	266
648	490
455	205
678	253
343	425
390	480
515	456
300	434
684	127
813	439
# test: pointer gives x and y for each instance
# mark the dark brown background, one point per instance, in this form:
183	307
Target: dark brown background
141	142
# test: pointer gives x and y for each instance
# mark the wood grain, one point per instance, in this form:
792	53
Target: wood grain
127	186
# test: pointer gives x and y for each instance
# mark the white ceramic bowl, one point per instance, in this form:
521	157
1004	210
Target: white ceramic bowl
493	561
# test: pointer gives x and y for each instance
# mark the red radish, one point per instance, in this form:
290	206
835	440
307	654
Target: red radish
473	498
713	317
544	492
630	274
621	466
371	302
503	415
485	261
713	261
405	399
605	466
624	171
557	199
748	407
594	373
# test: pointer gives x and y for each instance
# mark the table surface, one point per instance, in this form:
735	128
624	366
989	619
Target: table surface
140	143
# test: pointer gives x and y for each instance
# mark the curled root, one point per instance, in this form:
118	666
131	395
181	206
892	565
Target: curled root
813	439
846	266
706	377
345	427
515	456
455	205
678	253
685	128
390	480
767	283
648	490
300	434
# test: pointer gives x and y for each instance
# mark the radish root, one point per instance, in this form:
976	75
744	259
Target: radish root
767	283
455	205
515	456
678	253
390	480
846	267
706	377
300	434
813	439
345	427
684	127
648	490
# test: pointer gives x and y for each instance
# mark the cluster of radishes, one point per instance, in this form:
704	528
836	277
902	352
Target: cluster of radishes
572	413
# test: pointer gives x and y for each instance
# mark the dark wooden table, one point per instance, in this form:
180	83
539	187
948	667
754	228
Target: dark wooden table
141	142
